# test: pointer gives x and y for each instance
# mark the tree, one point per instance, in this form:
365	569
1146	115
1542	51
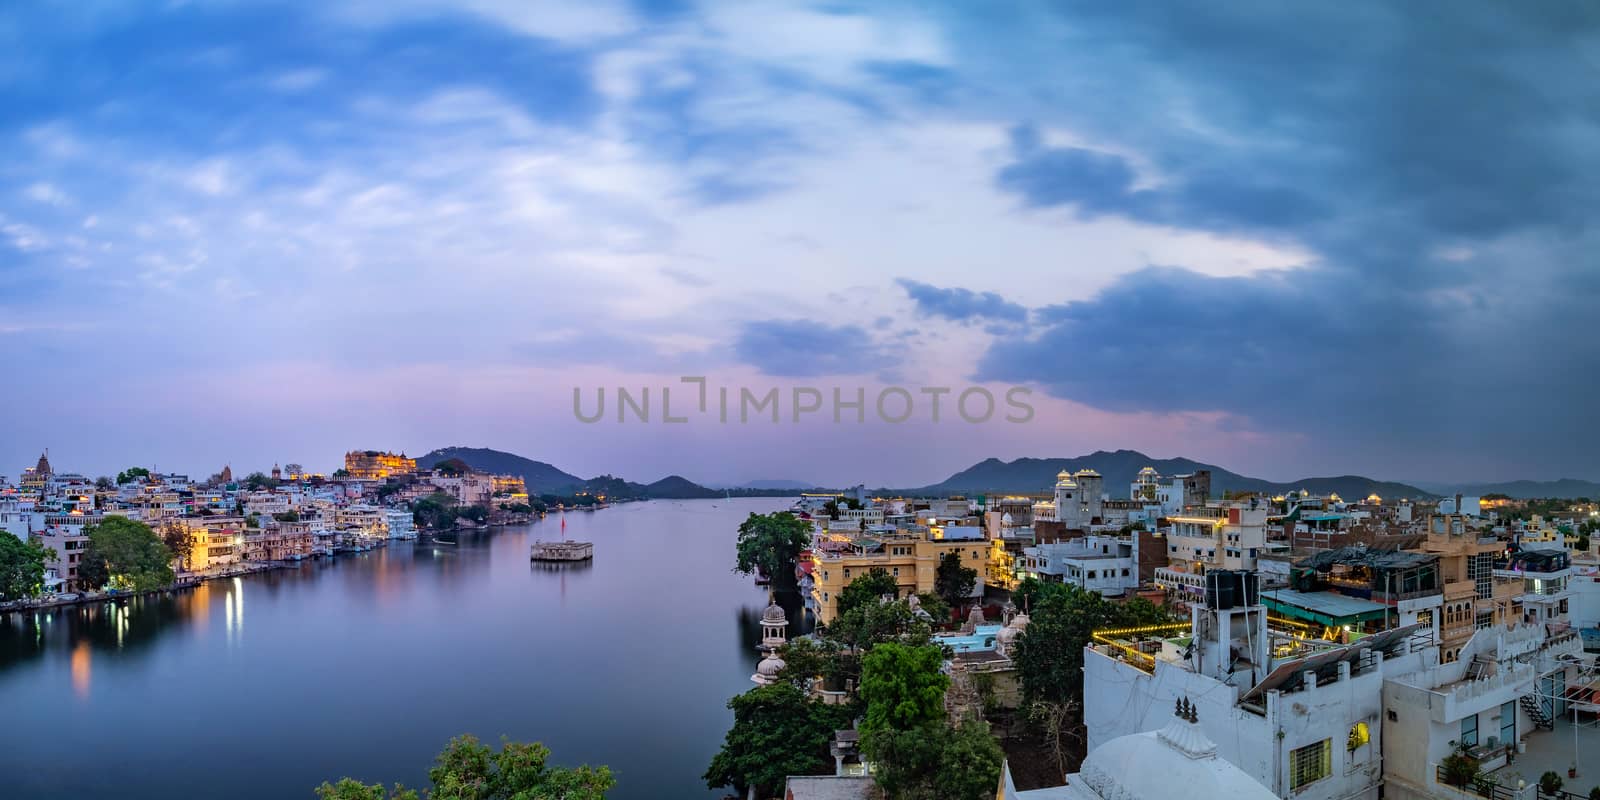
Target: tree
341	473
124	554
938	610
770	543
352	789
807	658
177	539
287	516
935	761
470	770
476	512
257	481
435	512
21	567
132	474
902	686
1062	617
868	588
777	732
104	483
952	581
871	624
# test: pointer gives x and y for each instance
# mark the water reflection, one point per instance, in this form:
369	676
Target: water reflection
129	625
80	669
366	664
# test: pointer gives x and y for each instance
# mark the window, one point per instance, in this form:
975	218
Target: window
897	572
1310	763
1469	731
1356	743
1508	723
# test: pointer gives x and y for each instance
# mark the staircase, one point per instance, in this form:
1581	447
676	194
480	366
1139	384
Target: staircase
1530	704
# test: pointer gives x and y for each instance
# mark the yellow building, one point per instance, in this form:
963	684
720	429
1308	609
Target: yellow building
213	541
375	465
1473	597
911	557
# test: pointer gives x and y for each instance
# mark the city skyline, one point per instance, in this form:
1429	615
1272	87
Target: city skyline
1290	243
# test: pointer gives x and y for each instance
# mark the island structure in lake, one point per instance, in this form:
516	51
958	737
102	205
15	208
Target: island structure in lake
568	550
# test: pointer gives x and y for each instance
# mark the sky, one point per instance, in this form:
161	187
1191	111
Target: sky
1289	239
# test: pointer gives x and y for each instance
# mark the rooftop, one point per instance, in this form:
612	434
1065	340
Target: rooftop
1329	608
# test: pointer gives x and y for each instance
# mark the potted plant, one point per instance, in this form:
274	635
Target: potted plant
1594	793
1550	783
1459	769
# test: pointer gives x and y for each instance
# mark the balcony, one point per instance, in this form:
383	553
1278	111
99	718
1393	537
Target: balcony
1476	695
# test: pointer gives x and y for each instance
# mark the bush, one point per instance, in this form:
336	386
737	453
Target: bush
1550	783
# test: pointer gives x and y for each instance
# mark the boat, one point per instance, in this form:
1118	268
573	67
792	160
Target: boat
568	550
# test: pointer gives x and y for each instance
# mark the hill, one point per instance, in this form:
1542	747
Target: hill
541	478
1526	490
544	478
679	488
1120	468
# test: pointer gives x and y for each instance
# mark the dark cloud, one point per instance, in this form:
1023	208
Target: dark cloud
1436	159
800	348
962	305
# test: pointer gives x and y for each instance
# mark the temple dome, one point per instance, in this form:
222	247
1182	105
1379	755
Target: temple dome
1176	760
767	671
774	615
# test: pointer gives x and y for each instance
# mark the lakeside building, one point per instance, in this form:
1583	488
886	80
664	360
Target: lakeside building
910	554
377	465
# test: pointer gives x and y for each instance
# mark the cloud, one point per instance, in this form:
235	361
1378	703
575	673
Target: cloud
962	305
802	348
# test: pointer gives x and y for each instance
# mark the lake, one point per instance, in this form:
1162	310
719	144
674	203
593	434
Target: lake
266	685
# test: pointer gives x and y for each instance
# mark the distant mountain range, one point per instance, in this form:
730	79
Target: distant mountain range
1024	475
545	478
1522	490
1121	467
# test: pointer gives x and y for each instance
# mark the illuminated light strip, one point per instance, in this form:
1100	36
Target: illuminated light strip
1170	626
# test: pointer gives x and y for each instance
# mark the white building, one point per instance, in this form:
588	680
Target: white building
1099	563
399	523
1177	761
1218	537
1307	725
1507	683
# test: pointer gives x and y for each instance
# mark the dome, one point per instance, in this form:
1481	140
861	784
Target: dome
767	671
1005	519
1086	473
774	615
1178	759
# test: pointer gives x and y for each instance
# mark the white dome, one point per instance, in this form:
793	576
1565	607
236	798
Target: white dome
1177	760
1005	519
767	671
773	615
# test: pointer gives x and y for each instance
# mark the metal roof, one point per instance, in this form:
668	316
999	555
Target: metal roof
1328	607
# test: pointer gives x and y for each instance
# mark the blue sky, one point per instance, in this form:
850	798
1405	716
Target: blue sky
1292	240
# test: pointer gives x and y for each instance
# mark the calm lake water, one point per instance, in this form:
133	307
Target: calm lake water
266	685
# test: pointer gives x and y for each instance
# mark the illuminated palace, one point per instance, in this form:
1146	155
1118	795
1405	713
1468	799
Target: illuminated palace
375	465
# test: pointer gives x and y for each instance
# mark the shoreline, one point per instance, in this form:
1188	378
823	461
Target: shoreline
191	580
